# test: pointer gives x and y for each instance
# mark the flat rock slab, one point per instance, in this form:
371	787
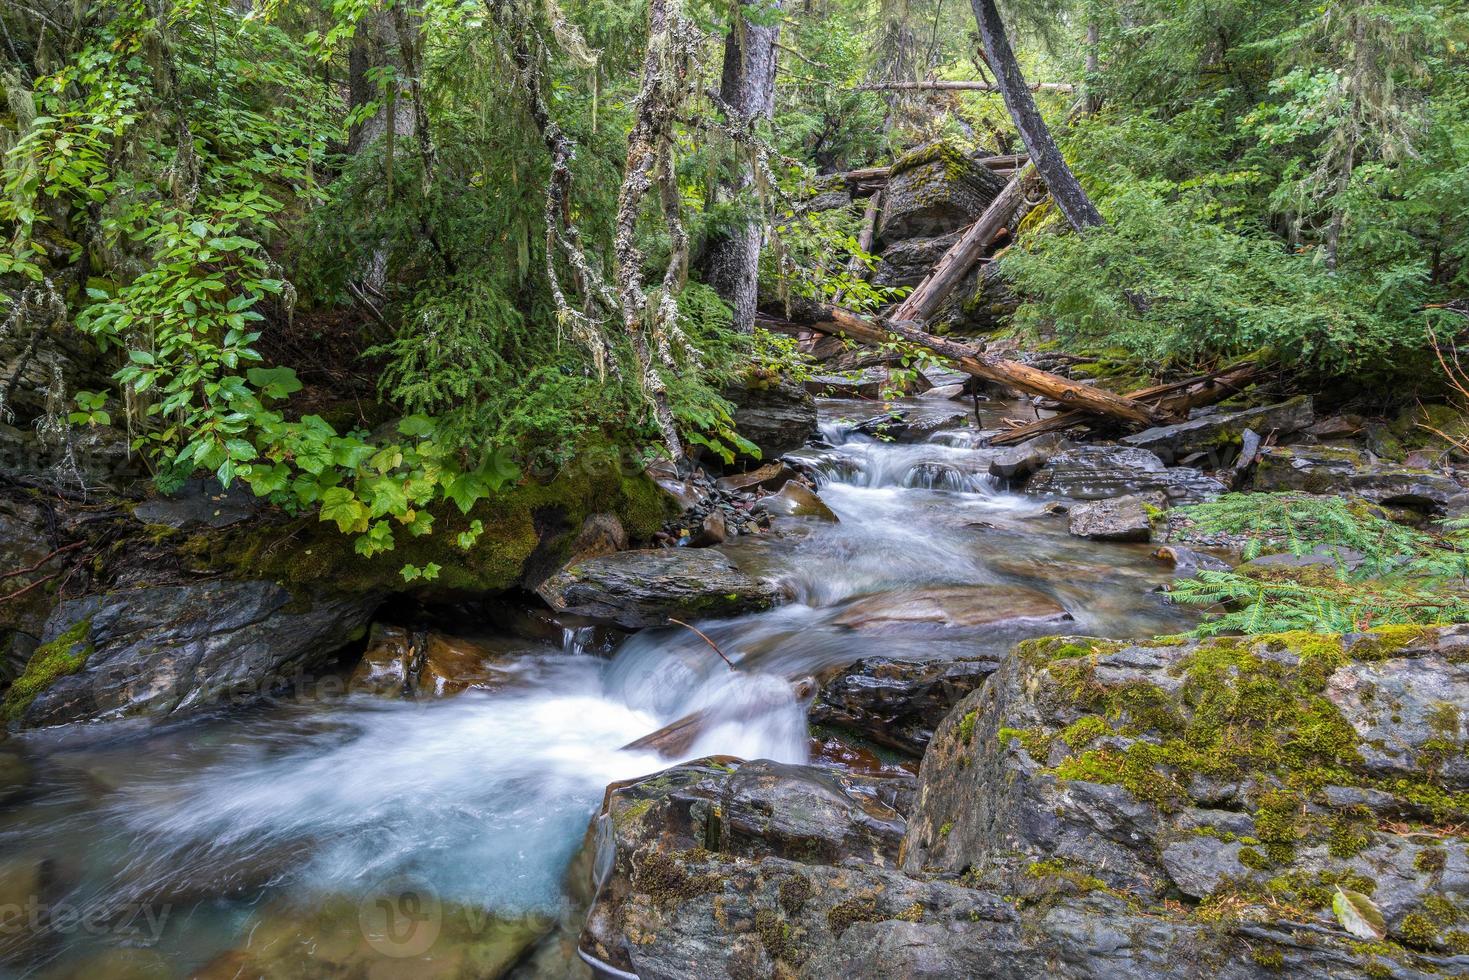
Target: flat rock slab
952	607
644	588
1127	518
1221	433
1100	472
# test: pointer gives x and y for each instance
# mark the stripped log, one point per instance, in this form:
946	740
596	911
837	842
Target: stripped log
1074	394
1177	397
927	296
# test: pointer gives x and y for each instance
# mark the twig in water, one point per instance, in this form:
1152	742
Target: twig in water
700	633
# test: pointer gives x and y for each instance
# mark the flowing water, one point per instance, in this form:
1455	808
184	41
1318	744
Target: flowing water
186	849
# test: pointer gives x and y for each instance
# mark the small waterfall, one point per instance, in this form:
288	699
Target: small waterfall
574	639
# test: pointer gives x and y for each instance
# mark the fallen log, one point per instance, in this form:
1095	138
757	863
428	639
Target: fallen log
1075	394
1177	397
865	180
927	296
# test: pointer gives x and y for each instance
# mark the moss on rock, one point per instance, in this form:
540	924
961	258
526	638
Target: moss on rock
66	654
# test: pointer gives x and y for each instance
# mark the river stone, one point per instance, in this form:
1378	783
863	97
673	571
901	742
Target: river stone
771	476
1100	472
1220	433
1128	518
933	190
952	607
644	588
1330	470
1033	769
712	531
168	649
1018	462
795	499
777	416
897	703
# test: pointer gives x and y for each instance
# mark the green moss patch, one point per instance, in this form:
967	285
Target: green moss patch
67	654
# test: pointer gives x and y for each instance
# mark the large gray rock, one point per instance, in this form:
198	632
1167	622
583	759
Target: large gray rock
1016	463
1195	769
1220	433
909	261
168	649
1331	470
1100	472
719	868
897	703
1128	518
777	416
645	588
932	191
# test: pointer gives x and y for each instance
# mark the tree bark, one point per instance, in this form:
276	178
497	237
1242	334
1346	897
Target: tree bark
961	256
1075	394
1060	181
747	88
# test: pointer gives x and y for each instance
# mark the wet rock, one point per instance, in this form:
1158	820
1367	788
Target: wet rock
897	703
795	500
771	476
684	493
1059	762
1326	470
934	190
25	542
15	774
952	607
1188	560
199	503
909	261
1220	434
1018	462
1127	518
644	588
1100	472
867	383
168	649
711	532
777	416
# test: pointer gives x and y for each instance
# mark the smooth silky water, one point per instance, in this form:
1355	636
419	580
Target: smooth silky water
191	840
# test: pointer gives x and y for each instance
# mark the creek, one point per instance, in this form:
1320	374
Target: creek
185	843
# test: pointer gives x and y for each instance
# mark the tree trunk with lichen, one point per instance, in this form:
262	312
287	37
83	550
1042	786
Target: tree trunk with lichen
747	89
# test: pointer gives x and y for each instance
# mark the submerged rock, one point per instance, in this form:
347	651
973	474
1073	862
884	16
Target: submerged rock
167	649
1127	518
796	500
645	588
428	664
1221	433
1329	470
1100	472
897	703
952	607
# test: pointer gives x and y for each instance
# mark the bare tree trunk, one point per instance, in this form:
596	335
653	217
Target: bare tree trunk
747	89
1060	181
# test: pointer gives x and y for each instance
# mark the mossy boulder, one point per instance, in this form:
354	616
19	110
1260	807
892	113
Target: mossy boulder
529	531
933	190
1241	778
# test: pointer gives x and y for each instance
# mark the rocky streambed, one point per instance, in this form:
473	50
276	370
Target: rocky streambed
941	792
